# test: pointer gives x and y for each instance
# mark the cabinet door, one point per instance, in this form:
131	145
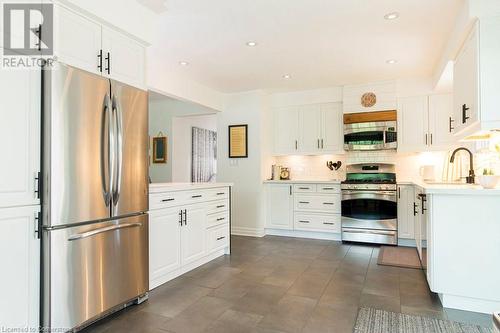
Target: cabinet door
124	59
19	136
279	206
193	234
332	139
309	129
19	259
164	244
286	128
77	40
406	227
465	83
440	113
413	124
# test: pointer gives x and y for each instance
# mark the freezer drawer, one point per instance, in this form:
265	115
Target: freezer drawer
92	268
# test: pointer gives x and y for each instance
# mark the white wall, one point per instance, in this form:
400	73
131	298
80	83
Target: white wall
247	174
182	140
160	119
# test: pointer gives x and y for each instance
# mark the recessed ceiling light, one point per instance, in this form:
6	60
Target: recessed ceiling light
287	76
391	61
391	16
183	63
251	43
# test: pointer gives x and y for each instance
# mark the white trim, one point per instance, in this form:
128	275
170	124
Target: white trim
304	234
406	242
186	268
244	231
469	304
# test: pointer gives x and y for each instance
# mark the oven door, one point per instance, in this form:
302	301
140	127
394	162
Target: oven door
369	210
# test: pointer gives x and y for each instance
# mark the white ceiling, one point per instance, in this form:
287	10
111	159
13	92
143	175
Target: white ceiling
320	43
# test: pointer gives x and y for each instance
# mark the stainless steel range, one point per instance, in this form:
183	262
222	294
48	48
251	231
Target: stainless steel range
369	204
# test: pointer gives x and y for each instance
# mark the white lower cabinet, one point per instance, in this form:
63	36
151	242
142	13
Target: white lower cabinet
303	208
20	262
406	198
186	229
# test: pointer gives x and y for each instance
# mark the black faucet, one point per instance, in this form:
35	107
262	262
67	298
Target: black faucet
471	178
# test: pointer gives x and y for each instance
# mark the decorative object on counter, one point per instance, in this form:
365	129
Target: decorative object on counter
427	172
471	178
160	148
333	166
238	141
368	99
203	155
375	320
488	180
275	172
285	174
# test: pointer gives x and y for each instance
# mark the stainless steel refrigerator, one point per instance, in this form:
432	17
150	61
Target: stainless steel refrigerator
95	196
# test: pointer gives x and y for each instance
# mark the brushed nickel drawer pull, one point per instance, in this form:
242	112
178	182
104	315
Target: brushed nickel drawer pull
302	221
221	206
196	196
221	193
166	200
221	218
304	202
304	188
220	238
328	188
327	203
329	223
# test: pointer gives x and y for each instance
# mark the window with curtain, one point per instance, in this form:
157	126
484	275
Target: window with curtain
204	155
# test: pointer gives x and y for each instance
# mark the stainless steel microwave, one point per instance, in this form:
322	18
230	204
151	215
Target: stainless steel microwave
370	136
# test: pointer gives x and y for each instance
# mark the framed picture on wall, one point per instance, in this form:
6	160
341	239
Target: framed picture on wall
160	149
238	141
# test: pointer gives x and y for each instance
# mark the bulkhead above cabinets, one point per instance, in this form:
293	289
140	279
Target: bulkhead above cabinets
379	96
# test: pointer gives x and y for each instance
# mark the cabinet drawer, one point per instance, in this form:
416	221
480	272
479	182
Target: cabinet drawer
218	237
321	203
219	206
166	200
319	222
326	188
217	193
304	188
216	219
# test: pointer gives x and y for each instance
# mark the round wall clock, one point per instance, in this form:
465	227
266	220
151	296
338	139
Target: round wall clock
368	99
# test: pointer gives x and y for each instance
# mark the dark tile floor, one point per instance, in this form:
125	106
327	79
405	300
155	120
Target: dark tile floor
280	284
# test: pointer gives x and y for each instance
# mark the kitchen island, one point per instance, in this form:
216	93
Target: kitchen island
189	225
459	243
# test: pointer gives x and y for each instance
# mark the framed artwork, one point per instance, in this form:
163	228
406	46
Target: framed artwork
160	149
238	141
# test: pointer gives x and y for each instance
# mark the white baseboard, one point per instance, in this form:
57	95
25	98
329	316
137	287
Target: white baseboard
244	231
469	304
406	242
304	234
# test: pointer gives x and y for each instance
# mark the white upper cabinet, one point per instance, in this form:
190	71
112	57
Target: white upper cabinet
19	136
475	80
385	94
310	129
93	46
124	59
77	40
441	121
413	124
20	259
286	131
424	123
332	129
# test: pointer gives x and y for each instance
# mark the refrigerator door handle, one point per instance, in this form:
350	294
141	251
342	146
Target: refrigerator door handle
101	230
119	150
106	158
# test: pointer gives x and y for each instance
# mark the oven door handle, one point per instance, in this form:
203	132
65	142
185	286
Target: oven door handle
371	231
375	195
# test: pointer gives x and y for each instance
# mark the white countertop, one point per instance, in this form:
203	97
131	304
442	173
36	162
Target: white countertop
451	188
302	181
165	187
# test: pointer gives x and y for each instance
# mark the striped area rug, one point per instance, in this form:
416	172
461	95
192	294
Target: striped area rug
380	321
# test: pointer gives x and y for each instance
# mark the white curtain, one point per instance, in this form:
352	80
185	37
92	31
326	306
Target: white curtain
204	155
